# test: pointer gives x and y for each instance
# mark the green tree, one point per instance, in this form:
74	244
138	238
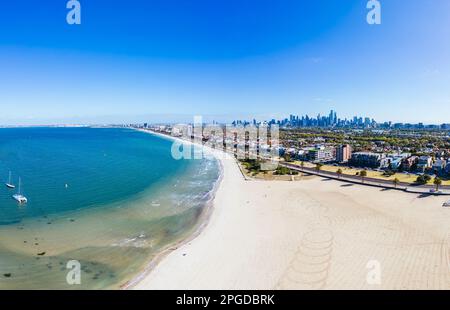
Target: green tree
363	174
287	157
423	179
319	166
339	172
396	181
438	182
302	164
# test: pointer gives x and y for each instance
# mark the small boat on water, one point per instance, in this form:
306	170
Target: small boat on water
9	184
19	197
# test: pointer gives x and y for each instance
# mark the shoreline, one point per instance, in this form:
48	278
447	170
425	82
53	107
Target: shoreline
202	221
112	251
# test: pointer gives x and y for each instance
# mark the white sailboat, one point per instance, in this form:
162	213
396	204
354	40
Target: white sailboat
19	197
9	184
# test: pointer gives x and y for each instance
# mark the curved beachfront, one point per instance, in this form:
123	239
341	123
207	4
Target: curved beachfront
315	233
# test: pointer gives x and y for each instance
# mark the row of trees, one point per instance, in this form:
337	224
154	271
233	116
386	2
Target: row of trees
423	179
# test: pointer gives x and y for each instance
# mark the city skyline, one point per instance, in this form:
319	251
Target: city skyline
333	121
318	120
156	59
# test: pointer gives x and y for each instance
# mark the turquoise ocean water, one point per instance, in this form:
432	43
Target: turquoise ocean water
109	198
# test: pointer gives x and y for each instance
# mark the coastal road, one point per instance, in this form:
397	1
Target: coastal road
367	180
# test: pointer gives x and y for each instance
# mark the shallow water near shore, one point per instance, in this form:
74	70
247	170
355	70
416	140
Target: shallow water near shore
108	198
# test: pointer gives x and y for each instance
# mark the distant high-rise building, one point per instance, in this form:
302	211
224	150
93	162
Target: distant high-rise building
331	118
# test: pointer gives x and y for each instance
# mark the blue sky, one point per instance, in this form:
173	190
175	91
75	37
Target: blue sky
168	60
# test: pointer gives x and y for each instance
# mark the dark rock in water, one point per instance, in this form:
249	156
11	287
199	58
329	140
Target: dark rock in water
36	244
49	223
72	220
41	254
25	242
7	275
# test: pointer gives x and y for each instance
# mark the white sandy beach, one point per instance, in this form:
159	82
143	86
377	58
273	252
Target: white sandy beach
311	234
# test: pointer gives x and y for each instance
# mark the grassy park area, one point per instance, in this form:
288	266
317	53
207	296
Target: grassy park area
402	177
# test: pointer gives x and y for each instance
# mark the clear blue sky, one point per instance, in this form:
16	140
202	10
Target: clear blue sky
132	59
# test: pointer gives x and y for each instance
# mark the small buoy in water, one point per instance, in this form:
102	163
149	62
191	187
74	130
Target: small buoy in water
66	186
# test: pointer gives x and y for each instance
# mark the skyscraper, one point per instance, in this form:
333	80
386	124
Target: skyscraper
331	118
